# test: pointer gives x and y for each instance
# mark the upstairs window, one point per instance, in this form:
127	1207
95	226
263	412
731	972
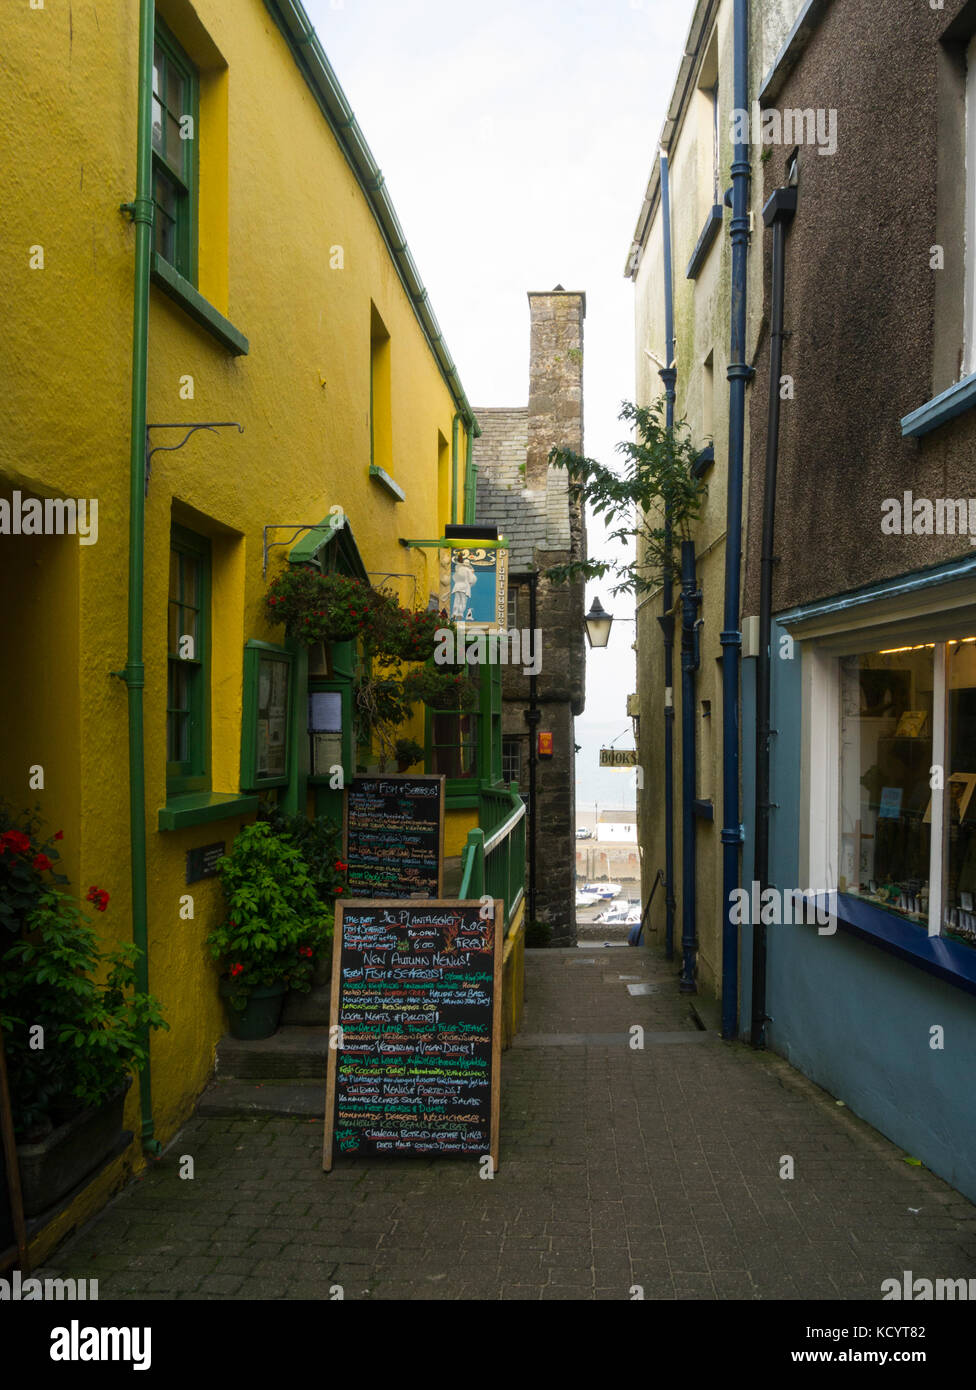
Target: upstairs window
175	114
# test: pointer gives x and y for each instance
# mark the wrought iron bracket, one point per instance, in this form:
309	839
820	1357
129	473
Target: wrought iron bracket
213	425
296	528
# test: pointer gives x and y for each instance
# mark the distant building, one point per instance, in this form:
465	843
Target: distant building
529	501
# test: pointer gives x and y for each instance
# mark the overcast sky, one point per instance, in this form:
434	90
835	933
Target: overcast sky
516	140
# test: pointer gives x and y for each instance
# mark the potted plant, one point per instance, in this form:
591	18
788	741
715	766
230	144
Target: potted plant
401	634
275	928
381	708
74	1024
316	607
408	752
441	688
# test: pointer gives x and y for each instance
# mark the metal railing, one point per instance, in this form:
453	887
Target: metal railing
495	863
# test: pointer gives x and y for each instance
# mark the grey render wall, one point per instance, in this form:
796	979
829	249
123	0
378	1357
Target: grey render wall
874	331
530	503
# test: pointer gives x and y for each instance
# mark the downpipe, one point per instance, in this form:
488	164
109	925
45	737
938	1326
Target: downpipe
142	212
669	377
778	214
739	374
690	661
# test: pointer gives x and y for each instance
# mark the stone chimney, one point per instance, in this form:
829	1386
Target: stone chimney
555	379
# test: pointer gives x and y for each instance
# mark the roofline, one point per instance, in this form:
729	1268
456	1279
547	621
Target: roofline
310	59
807	23
701	28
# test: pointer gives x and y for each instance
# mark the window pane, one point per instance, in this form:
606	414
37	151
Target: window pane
174	145
166	209
886	756
959	892
157	71
191	572
174	91
177	718
157	126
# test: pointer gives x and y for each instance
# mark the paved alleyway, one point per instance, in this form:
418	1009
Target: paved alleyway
619	1167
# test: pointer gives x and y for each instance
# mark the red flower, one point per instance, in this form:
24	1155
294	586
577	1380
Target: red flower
305	951
59	835
15	840
236	970
339	889
99	897
340	865
42	863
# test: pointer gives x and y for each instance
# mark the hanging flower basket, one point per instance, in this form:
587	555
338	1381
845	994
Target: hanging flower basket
402	634
441	689
316	607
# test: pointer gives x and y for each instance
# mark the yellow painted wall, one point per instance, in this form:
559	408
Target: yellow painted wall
278	200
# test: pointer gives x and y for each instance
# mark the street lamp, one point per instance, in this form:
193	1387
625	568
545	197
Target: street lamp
598	623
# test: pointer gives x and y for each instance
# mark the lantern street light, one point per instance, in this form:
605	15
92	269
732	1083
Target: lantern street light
598	623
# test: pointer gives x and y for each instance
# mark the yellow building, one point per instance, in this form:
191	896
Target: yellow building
285	311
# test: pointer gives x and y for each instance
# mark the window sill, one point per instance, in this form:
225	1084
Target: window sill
941	409
936	955
704	244
172	283
381	476
197	808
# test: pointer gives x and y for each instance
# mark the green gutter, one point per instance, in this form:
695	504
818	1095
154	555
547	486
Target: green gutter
300	35
454	464
142	211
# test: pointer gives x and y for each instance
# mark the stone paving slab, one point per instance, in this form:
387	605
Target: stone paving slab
621	1167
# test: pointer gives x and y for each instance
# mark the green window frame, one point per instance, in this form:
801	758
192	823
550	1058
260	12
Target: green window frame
188	664
176	95
475	739
268	698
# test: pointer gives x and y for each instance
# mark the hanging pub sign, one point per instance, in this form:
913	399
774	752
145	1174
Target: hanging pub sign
618	757
474	585
393	836
414	1066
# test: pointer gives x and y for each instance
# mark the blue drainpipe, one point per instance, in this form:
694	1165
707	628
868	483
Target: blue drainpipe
669	376
739	374
690	603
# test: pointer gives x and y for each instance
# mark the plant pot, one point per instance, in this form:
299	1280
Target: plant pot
64	1158
261	1014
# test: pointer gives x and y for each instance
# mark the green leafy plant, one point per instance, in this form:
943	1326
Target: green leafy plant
276	924
441	688
654	500
316	607
55	976
403	635
408	752
319	841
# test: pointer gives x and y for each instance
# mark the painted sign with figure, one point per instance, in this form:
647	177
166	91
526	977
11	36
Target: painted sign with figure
474	586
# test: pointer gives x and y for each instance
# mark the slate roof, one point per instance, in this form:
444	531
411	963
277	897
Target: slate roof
528	517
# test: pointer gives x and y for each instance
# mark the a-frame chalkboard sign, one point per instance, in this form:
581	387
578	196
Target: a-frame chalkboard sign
414	1066
393	836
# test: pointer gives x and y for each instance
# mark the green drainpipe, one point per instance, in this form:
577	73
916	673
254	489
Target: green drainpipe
454	468
469	475
142	211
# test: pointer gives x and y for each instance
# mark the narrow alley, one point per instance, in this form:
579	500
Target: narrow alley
625	1172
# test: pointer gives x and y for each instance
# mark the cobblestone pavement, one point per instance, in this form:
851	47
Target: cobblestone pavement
657	1167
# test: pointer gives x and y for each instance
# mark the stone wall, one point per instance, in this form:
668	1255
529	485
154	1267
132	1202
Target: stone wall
530	503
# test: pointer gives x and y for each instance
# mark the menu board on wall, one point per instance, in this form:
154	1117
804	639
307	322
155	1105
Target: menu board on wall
393	837
416	995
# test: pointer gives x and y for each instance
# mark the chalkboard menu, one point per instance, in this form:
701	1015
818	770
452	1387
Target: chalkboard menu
416	994
393	837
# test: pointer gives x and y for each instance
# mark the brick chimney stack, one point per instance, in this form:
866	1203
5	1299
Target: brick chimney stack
555	378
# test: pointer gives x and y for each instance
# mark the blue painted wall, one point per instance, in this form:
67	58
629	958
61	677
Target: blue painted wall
851	1017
